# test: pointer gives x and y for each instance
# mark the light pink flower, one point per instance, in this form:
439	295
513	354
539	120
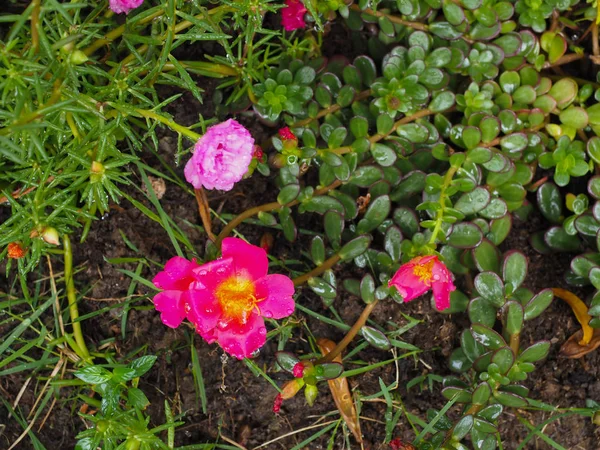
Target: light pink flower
231	296
419	275
175	281
221	157
292	15
124	6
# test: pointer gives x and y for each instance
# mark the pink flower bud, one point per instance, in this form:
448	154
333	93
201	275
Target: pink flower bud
298	370
277	404
292	16
124	6
287	135
221	157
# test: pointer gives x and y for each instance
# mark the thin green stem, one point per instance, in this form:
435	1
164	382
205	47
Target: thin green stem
72	298
439	220
170	123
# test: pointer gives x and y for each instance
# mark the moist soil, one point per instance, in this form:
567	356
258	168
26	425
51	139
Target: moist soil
239	403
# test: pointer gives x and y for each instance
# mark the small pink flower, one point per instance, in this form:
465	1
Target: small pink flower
298	370
277	404
292	16
287	135
221	157
175	281
124	6
232	294
419	275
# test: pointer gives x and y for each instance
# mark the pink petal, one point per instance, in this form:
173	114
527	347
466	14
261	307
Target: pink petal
171	306
208	336
242	341
408	284
440	272
204	309
441	294
177	274
210	275
249	260
277	291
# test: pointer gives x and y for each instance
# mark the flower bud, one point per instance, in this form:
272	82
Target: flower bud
50	235
77	58
298	370
97	171
291	388
310	393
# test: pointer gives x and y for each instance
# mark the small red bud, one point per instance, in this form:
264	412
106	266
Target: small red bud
277	404
15	250
266	242
298	370
397	444
258	153
287	135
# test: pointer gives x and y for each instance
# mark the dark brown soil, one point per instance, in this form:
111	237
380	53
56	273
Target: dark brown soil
239	404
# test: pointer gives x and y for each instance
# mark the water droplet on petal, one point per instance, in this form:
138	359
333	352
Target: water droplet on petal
268	314
208	310
202	273
289	311
221	270
436	277
262	330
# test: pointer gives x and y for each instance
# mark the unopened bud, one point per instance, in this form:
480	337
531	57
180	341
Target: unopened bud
277	404
291	388
96	171
77	58
50	235
310	393
286	134
298	370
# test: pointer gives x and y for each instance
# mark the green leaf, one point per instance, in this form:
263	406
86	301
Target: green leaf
359	127
137	399
538	304
473	202
329	371
514	318
514	269
442	102
345	96
486	257
142	364
322	203
508	399
385	123
504	359
514	143
459	395
465	235
367	289
375	338
322	288
334	225
317	250
535	352
490	286
383	154
564	92
376	213
499	229
305	75
288	194
392	243
355	247
574	117
558	239
458	362
487	337
287	223
550	202
366	176
481	394
470	346
482	311
462	428
93	374
286	361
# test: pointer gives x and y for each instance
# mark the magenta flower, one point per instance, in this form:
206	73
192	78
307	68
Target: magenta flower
231	296
175	281
292	15
221	157
124	6
419	275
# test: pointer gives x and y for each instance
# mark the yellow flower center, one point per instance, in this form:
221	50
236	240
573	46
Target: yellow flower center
236	298
424	271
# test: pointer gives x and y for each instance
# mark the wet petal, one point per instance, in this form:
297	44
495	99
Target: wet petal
208	336
171	306
177	274
203	309
441	294
440	272
242	340
408	284
277	291
209	275
249	260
